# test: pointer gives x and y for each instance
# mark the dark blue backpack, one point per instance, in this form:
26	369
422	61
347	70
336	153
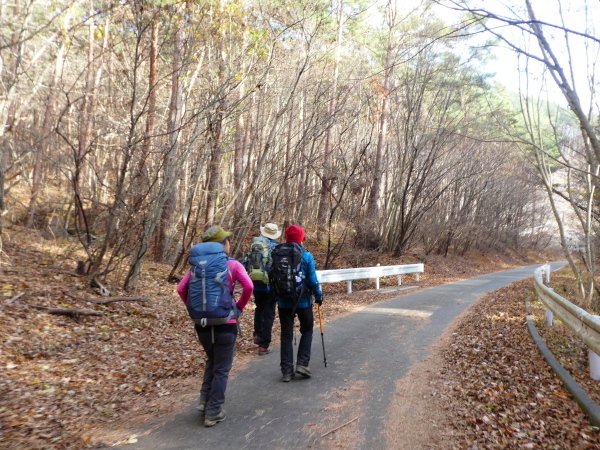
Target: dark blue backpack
210	301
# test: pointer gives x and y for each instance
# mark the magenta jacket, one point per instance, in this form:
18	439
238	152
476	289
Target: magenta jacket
237	273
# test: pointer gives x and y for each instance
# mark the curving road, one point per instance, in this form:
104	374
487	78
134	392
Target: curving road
372	348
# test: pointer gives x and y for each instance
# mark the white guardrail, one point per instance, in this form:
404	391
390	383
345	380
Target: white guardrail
586	326
363	273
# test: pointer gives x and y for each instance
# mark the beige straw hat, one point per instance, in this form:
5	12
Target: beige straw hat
270	230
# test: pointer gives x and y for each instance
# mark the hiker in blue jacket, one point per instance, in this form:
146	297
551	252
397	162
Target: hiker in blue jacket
264	314
302	307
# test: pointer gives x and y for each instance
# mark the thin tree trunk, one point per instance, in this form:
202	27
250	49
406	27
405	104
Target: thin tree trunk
167	222
239	148
153	88
327	176
240	139
215	127
85	128
9	104
45	135
545	172
214	167
3	159
561	80
373	205
289	160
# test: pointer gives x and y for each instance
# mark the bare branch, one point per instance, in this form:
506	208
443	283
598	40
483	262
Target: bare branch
67	311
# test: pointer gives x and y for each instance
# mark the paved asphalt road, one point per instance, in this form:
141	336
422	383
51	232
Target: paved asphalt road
374	347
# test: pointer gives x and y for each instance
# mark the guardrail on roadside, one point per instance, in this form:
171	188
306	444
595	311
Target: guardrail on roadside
363	273
586	326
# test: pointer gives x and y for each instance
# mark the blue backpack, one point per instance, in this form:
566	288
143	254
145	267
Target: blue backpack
210	301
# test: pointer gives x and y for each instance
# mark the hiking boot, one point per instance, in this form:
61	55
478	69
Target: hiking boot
263	351
287	377
201	405
255	338
304	371
209	421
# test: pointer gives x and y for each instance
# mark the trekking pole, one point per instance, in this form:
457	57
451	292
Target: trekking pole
321	326
294	312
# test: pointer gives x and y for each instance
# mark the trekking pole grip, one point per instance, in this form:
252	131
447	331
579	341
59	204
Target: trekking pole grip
320	317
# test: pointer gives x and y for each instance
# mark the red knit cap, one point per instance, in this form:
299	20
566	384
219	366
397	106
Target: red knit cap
294	233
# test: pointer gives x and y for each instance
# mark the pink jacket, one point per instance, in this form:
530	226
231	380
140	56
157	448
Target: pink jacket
237	273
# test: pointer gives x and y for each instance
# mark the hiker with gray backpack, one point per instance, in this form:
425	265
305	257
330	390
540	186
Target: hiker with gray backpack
207	290
258	264
293	278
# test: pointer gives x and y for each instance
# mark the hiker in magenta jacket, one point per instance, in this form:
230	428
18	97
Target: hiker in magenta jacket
218	341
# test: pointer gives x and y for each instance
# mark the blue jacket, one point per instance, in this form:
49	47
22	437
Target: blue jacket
313	288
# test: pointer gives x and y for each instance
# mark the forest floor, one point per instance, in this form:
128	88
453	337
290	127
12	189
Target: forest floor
88	381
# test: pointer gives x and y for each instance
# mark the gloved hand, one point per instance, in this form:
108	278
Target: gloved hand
319	299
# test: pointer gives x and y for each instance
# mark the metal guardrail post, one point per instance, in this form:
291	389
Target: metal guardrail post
594	365
584	325
549	313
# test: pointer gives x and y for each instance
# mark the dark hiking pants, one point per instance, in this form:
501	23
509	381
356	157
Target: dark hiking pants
305	316
264	316
219	347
